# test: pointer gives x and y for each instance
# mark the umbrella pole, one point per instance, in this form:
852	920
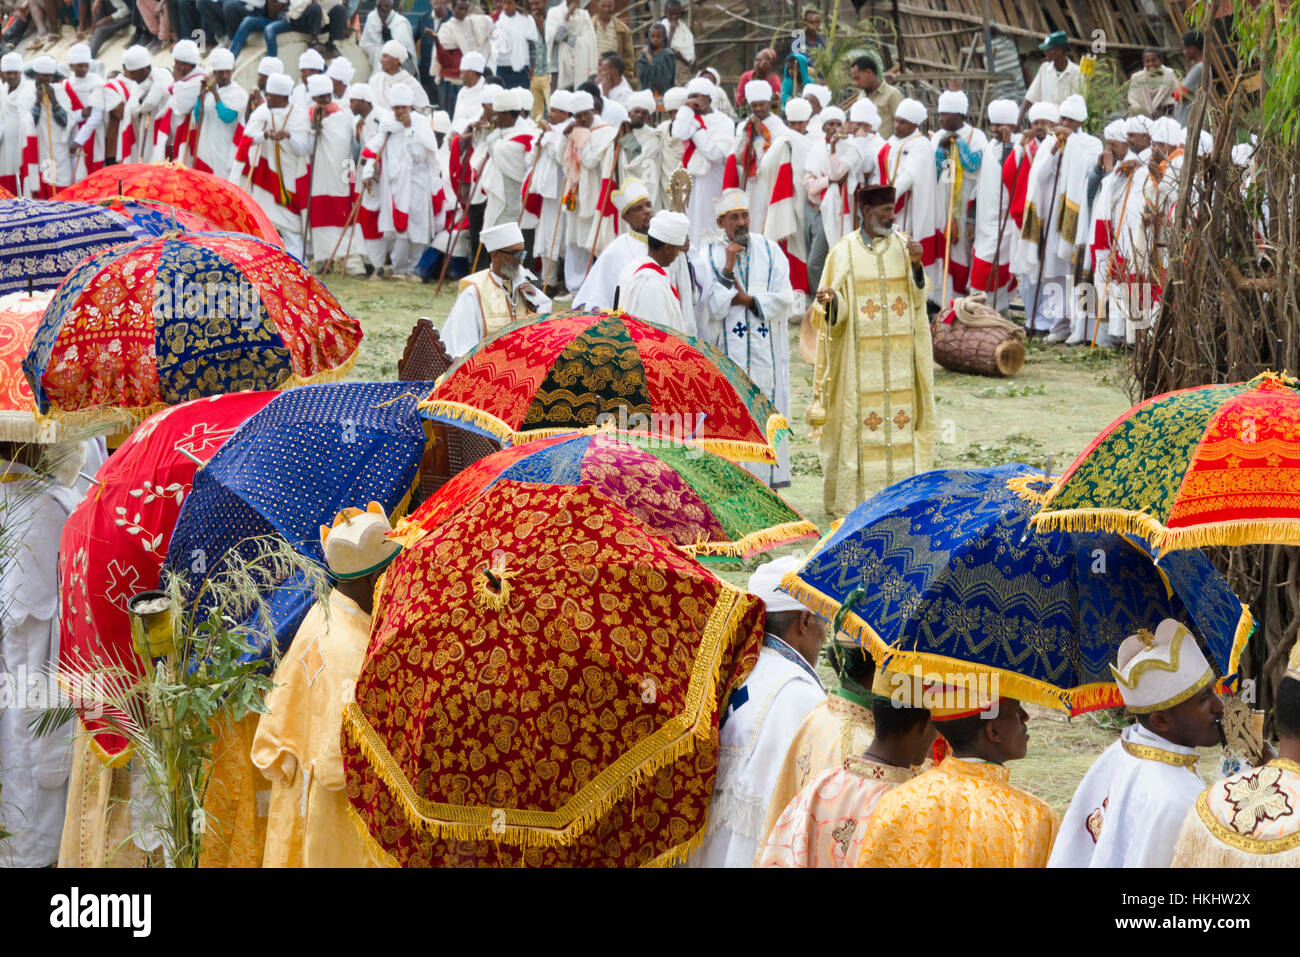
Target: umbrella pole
947	226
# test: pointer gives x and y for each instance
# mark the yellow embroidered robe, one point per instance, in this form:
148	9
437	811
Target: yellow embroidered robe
959	814
880	418
1251	819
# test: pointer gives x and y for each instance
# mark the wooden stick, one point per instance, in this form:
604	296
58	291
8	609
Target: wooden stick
451	246
947	227
555	231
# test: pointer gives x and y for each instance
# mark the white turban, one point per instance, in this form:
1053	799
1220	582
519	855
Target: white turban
1004	113
341	69
1206	146
401	95
700	86
669	227
392	48
1165	130
502	237
631	192
1137	124
1043	110
911	110
441	121
765	582
758	91
187	51
270	66
798	110
1241	154
11	62
279	84
44	64
1074	108
472	61
319	85
78	53
503	101
822	93
864	111
1115	131
953	101
525	97
562	100
581	101
490	94
221	59
641	100
674	98
730	201
614	114
832	114
360	91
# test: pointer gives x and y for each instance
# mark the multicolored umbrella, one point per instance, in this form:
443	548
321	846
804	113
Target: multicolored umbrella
309	453
1214	465
216	199
156	323
944	571
159	219
41	242
695	499
552	374
115	541
543	688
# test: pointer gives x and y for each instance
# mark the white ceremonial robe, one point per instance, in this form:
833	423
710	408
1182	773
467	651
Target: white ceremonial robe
964	185
782	171
752	745
117	93
706	144
909	166
597	291
89	131
646	290
180	109
509	161
16	132
218	127
469	107
757	340
1127	811
463	329
409	176
829	182
658	158
54	167
372	36
572	59
291	166
994	229
591	154
471	35
382	83
1051	290
549	183
1080	159
148	106
757	188
332	186
33	770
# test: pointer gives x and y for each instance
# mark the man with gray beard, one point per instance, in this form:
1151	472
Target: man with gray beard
495	297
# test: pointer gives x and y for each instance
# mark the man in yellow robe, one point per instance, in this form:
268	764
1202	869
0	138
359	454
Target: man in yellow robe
297	742
963	812
880	416
1252	819
825	823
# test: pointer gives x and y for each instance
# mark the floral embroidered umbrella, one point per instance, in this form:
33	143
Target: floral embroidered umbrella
218	200
41	242
698	500
543	688
566	371
1214	465
944	571
156	323
159	219
311	452
115	541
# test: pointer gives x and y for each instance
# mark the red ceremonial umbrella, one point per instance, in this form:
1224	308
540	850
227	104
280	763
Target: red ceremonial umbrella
115	541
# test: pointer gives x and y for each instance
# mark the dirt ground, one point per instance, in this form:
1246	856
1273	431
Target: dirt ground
1053	408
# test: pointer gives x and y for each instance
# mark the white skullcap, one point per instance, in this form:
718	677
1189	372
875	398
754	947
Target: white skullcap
270	66
503	100
1241	154
441	121
832	114
319	85
135	58
501	237
473	61
823	93
765	582
798	110
562	100
864	111
1206	146
631	192
1165	130
44	64
187	51
341	69
669	227
360	91
730	201
758	91
490	94
911	110
580	101
401	95
712	72
614	114
1043	110
1074	108
953	101
1115	131
11	62
674	98
1004	113
699	86
641	100
311	60
394	49
279	84
1137	124
221	59
78	53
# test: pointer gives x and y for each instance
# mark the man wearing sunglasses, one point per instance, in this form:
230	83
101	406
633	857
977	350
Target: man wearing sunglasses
495	297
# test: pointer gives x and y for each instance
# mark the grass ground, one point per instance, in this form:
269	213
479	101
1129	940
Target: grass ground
1054	407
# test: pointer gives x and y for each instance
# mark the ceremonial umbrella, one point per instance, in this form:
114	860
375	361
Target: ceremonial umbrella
114	542
944	571
216	199
698	500
543	687
159	219
41	242
5	194
566	371
156	323
290	469
1214	465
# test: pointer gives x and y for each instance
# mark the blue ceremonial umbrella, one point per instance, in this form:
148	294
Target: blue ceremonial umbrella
290	469
943	570
41	241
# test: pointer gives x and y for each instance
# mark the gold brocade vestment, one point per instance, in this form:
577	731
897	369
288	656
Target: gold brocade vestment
880	401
